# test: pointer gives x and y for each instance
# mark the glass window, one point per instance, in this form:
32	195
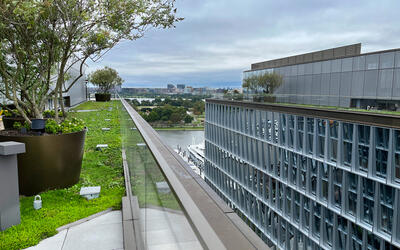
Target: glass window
313	177
310	135
303	172
357	237
306	213
373	242
291	130
333	133
337	187
317	219
386	60
293	178
283	129
368	190
300	128
381	153
347	143
328	226
342	232
296	212
386	206
288	202
352	180
324	168
321	137
363	147
372	61
397	155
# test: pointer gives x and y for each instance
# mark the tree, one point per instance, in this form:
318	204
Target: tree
198	108
40	41
105	79
267	82
188	119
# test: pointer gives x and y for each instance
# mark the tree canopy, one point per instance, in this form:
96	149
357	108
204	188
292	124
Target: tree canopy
267	82
41	41
105	79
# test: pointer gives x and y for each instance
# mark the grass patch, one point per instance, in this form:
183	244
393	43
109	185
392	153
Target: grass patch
64	206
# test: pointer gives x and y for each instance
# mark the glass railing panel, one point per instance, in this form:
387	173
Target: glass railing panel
162	219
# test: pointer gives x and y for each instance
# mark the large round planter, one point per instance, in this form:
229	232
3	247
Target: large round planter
50	161
101	97
9	121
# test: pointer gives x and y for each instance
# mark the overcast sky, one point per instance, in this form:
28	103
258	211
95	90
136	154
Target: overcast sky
220	38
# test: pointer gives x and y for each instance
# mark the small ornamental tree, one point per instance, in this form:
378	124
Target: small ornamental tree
267	82
40	41
105	79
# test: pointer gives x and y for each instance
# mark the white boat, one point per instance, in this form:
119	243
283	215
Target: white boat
196	155
186	157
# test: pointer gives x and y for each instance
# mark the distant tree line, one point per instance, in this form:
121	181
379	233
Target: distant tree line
168	114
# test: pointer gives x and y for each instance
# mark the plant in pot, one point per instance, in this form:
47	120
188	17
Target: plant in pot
105	80
44	47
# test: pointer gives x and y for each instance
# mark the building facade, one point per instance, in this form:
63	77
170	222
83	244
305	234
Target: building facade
307	178
338	77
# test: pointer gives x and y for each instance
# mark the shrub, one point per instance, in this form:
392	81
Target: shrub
17	125
67	126
188	119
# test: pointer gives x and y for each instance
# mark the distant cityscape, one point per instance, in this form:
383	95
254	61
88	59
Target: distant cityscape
177	89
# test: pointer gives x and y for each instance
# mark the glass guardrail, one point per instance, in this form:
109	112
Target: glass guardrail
162	220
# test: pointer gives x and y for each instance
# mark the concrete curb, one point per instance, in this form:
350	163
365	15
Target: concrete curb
83	220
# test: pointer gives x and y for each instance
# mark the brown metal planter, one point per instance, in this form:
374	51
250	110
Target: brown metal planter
9	121
50	161
100	97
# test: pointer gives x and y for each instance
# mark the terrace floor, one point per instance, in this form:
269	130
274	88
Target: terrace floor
100	233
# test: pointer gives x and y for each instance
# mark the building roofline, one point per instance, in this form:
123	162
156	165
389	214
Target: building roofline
256	67
362	117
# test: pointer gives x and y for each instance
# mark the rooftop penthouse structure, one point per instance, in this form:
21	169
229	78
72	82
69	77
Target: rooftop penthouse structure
341	76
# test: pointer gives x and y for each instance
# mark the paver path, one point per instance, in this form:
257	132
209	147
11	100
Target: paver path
101	233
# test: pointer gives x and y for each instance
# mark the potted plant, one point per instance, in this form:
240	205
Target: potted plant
105	80
43	52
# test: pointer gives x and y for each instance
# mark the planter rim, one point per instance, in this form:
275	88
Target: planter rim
84	130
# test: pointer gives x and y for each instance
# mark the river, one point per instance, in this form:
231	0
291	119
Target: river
183	138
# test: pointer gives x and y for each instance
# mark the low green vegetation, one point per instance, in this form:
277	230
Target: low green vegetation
63	206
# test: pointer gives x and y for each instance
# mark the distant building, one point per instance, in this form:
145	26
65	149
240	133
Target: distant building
180	86
340	76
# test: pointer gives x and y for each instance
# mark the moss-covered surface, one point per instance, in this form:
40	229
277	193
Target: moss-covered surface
64	206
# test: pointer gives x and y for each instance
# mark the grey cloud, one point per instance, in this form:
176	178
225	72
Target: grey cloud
219	39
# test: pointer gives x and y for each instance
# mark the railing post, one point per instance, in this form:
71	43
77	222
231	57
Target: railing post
9	193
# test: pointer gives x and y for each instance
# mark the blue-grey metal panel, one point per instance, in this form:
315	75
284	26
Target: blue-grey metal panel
357	85
396	84
386	60
370	83
385	83
345	87
358	63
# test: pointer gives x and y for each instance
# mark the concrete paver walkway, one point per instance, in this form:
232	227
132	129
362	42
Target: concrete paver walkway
167	230
101	233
